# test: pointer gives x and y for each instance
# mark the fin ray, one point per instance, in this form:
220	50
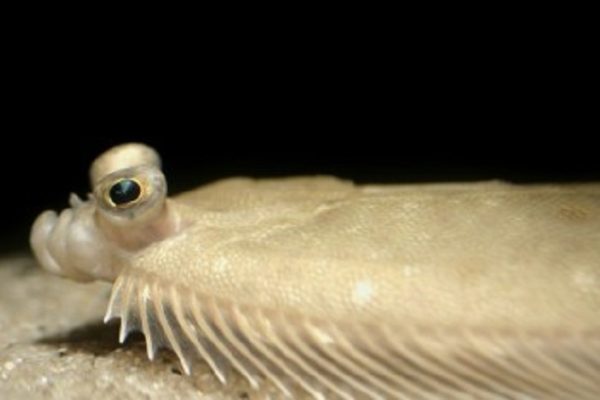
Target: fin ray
203	352
353	359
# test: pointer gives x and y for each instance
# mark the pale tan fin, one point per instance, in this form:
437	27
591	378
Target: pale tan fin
229	329
205	328
377	373
539	351
519	376
332	363
173	340
192	335
126	312
371	348
482	384
354	360
114	306
258	329
145	296
257	343
526	367
298	368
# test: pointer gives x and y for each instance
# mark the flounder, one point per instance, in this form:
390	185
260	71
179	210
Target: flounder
335	290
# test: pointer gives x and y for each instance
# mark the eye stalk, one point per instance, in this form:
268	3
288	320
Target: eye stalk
122	157
125	192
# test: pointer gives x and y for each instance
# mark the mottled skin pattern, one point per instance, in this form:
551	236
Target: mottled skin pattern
486	256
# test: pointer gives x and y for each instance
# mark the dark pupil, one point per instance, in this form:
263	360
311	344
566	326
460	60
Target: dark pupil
124	191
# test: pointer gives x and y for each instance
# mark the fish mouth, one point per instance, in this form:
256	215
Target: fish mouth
48	240
40	233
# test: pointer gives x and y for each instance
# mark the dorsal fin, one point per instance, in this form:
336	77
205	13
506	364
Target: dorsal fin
351	359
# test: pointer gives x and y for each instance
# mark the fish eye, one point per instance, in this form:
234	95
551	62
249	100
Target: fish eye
131	195
124	192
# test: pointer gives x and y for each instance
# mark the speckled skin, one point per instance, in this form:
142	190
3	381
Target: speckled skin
483	254
299	264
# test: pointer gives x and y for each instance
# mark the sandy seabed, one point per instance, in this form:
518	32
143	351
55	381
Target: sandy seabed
54	345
